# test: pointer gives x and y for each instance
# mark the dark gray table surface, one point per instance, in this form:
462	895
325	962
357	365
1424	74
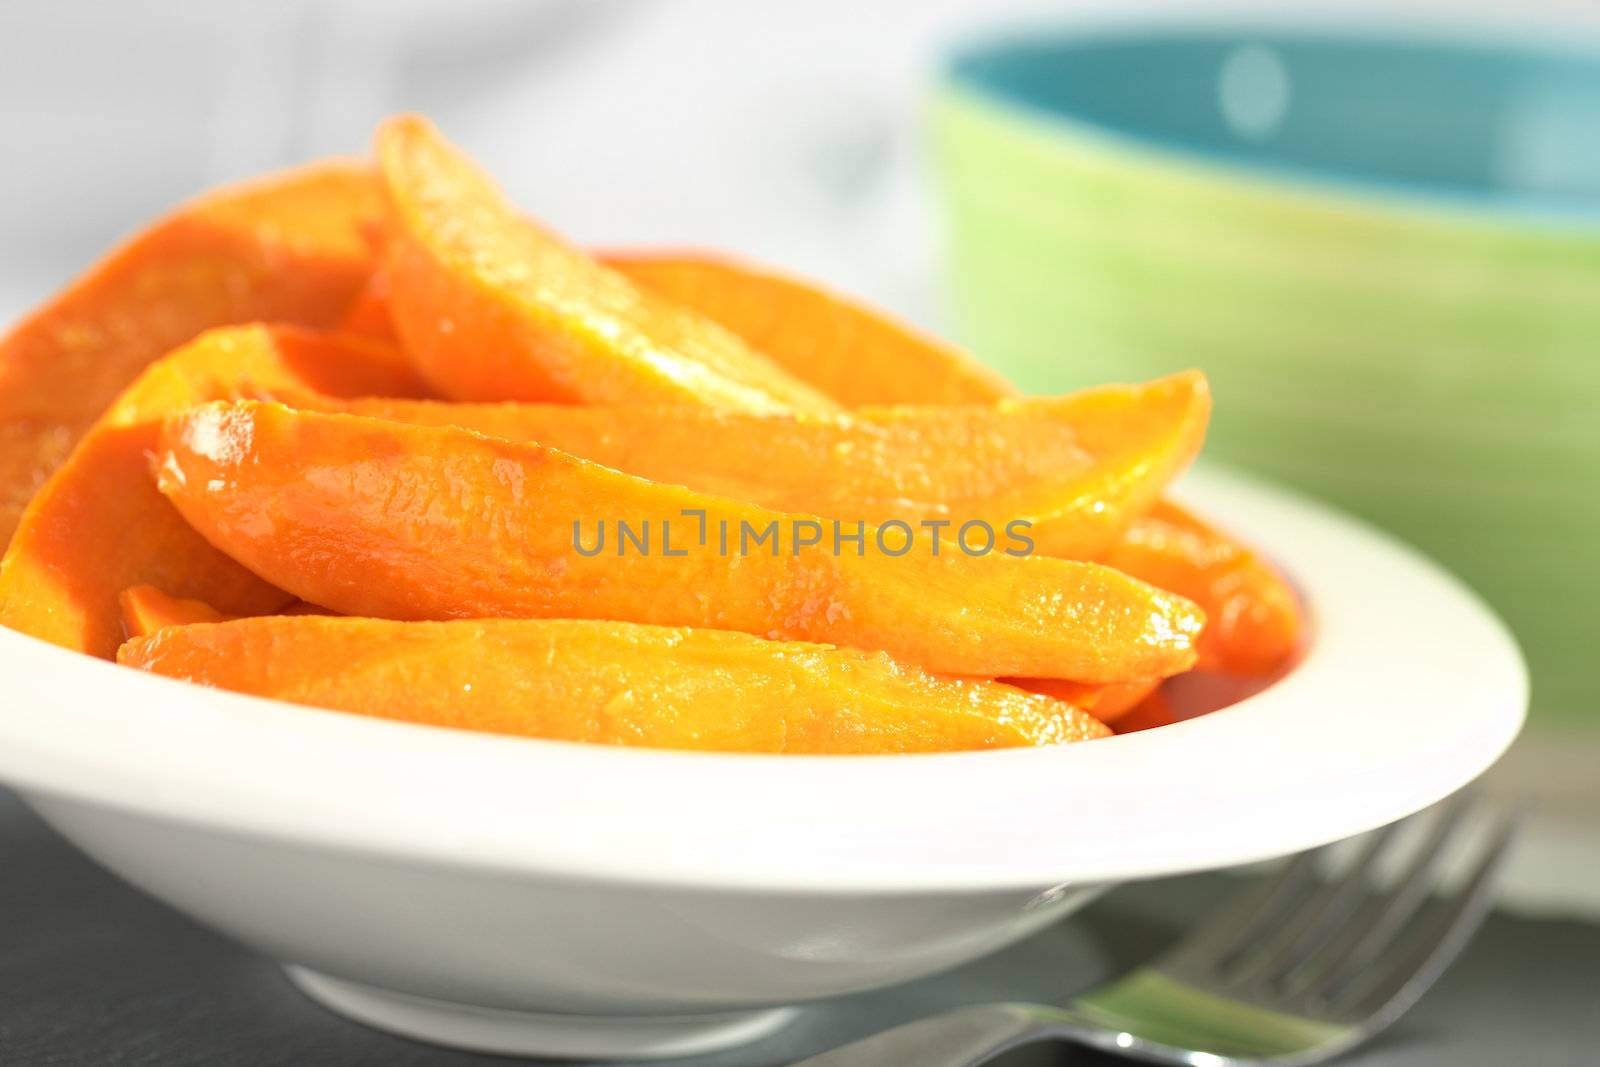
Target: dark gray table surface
93	973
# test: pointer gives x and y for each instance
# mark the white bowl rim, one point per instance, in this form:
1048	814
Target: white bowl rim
1410	688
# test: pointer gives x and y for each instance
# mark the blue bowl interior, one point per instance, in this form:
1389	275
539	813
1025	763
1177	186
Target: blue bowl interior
1481	122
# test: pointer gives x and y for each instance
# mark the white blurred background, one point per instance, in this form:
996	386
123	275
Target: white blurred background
786	131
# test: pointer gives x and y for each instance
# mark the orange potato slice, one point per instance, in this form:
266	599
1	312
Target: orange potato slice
1076	468
368	313
495	308
860	357
376	518
146	609
1108	703
1254	621
99	525
611	683
289	248
856	355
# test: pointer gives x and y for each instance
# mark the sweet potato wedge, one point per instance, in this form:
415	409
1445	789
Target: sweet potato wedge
611	683
146	609
856	355
1077	468
376	518
368	313
1108	703
1254	622
99	526
862	358
495	308
287	248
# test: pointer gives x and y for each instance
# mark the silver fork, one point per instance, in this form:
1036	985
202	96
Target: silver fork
1295	970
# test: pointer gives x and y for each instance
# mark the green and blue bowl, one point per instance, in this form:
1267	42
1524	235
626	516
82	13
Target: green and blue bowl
1385	253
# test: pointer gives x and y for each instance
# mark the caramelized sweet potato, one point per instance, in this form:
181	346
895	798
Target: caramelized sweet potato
1254	624
146	609
861	358
1078	468
286	248
1108	703
368	313
611	683
856	355
495	308
99	526
370	517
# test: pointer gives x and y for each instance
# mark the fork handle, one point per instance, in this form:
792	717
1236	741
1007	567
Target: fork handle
961	1038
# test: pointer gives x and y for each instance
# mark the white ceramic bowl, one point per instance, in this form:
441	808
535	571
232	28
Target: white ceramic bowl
531	896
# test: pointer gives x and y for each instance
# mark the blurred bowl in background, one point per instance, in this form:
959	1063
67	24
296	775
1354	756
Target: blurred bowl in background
1385	252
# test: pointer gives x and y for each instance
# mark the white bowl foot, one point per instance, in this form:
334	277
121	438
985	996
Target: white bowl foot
519	1033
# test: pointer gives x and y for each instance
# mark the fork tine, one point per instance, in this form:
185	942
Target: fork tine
1256	909
1305	931
1393	980
1386	913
